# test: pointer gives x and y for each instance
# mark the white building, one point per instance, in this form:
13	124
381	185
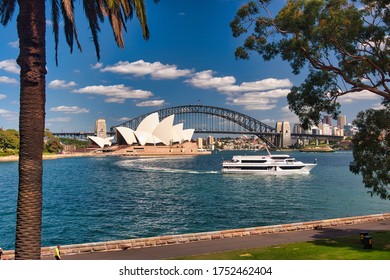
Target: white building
153	132
326	129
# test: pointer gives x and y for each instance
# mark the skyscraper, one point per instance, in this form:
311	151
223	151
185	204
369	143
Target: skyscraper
327	120
341	121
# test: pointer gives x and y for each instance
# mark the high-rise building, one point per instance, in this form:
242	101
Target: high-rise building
327	120
341	121
101	128
298	128
210	140
326	129
200	143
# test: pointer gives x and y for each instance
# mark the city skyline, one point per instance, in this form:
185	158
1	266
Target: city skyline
189	59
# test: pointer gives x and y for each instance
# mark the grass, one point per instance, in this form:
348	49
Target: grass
341	248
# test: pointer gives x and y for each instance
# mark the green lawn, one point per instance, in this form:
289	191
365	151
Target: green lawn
342	248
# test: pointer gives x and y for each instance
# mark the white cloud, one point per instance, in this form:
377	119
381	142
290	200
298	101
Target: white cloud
156	70
124	119
151	103
262	85
288	115
115	93
66	119
3	96
259	100
251	102
227	84
61	84
358	96
206	80
7	80
98	65
10	65
14	44
69	109
8	115
378	106
270	122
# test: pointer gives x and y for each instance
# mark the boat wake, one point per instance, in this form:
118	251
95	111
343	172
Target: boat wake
137	166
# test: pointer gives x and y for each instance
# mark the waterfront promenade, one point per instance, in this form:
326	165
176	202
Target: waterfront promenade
164	247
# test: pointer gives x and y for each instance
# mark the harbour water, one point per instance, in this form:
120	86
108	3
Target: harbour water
91	199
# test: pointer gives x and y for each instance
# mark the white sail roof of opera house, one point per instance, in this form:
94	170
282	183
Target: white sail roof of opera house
187	134
101	142
149	123
152	131
165	131
179	132
127	134
145	138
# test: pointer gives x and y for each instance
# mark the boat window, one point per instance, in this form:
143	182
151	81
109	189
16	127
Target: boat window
254	168
279	157
253	161
291	167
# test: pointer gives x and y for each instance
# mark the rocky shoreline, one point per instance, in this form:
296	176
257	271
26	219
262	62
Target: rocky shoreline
325	149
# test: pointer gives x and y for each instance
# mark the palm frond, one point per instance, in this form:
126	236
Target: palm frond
7	8
117	23
127	8
140	11
67	7
100	10
93	12
55	15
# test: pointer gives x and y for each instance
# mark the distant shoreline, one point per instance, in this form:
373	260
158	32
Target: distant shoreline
151	153
48	157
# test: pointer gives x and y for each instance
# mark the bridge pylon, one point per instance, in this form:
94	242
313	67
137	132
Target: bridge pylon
284	140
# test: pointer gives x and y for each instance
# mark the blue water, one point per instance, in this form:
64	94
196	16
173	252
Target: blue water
91	199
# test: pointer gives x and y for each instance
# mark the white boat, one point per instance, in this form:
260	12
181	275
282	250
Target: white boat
266	164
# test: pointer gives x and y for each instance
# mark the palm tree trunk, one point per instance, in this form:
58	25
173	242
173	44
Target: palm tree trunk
31	27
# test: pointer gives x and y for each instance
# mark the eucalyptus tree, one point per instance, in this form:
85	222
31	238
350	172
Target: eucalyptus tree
31	28
343	45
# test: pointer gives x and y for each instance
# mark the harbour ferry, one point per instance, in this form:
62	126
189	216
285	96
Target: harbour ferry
266	164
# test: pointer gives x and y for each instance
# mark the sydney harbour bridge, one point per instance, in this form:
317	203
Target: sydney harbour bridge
216	120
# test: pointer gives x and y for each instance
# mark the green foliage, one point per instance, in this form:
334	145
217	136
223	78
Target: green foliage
345	45
78	143
372	150
9	139
308	100
51	144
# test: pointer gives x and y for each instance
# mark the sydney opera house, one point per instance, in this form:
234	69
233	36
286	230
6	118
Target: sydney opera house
151	137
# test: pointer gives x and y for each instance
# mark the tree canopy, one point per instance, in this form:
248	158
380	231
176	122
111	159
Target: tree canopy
345	45
372	150
9	139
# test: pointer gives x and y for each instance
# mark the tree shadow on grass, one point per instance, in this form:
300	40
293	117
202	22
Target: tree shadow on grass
347	244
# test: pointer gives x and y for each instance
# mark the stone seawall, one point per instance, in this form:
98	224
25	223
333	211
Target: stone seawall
195	237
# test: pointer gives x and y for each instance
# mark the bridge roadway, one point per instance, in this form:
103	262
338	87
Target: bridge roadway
84	135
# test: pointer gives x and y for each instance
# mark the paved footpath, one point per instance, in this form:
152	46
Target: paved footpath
228	244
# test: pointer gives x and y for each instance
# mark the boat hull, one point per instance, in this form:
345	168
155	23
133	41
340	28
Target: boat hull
271	170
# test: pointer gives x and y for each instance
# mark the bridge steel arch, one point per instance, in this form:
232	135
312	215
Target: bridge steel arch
267	133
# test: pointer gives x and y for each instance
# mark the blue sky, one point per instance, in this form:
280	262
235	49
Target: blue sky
189	59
